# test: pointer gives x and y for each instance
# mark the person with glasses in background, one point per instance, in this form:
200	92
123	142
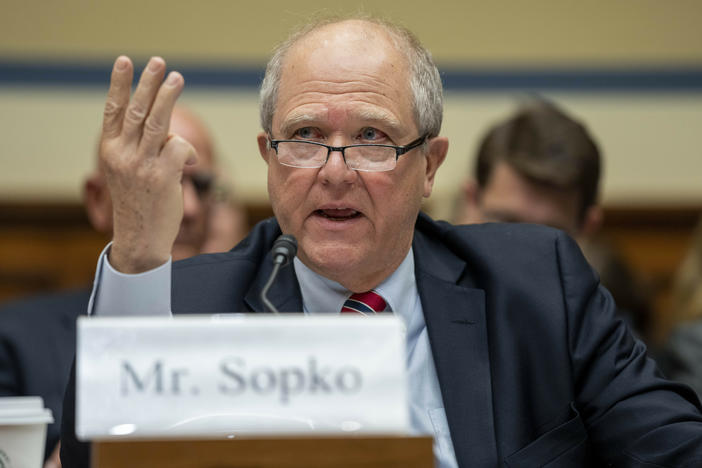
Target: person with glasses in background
514	356
38	334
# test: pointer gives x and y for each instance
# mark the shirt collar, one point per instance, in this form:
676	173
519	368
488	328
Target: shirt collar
320	294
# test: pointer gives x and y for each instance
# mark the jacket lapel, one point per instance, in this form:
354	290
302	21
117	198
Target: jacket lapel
457	327
284	294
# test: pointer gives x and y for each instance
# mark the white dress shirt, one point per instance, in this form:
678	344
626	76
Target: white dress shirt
427	415
149	293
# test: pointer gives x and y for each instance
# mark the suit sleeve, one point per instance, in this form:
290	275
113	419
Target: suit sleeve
633	415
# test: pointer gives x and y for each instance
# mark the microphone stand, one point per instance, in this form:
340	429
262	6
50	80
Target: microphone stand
284	249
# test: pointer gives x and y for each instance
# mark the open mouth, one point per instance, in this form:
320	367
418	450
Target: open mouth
338	214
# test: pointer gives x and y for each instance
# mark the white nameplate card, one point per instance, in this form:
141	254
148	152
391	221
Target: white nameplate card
230	375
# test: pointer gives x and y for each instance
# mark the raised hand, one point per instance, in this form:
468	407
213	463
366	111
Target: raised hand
143	165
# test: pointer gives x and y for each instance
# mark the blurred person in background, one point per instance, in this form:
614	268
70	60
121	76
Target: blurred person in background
37	335
681	357
542	166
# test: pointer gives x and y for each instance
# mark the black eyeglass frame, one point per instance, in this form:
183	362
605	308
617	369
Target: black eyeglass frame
203	183
399	150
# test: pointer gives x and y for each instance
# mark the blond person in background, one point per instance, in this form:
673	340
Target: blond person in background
37	335
681	357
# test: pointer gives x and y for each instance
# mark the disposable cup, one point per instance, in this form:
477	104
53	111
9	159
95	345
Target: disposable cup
23	432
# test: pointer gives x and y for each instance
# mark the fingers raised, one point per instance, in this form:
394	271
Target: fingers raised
158	120
143	98
117	96
180	152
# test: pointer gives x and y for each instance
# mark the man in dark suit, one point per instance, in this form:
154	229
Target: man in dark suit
514	355
38	336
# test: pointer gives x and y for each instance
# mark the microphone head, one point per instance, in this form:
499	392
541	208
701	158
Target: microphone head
284	249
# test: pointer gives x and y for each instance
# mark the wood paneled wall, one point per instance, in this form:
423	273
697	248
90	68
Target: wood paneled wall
48	247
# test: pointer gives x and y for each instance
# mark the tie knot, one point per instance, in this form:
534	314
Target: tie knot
369	302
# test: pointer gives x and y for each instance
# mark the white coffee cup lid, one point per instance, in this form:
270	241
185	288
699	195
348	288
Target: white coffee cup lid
24	410
15	418
26	402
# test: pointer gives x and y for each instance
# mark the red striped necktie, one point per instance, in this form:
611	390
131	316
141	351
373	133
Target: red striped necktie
364	303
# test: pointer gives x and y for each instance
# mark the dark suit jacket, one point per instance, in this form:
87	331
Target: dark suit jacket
534	368
37	344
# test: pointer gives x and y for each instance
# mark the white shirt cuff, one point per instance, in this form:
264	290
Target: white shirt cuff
120	294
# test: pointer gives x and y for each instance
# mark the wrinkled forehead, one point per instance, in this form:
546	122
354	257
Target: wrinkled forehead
352	57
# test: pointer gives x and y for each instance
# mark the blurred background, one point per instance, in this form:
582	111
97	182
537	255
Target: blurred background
631	70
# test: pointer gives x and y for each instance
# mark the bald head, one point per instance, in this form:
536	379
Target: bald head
189	126
333	58
353	42
424	82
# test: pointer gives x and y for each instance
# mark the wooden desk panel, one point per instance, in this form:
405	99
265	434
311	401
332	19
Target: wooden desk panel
293	452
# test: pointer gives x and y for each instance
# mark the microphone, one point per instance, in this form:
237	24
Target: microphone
284	249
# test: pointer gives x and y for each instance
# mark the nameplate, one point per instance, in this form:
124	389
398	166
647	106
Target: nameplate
229	375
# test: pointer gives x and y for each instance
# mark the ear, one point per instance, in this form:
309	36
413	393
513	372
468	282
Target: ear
468	210
592	221
98	204
436	153
263	147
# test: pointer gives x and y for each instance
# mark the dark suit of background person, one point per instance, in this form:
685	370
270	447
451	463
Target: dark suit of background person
37	343
534	368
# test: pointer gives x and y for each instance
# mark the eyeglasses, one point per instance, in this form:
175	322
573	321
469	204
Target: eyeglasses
203	182
362	157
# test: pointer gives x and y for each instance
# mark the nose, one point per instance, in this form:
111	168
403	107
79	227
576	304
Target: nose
335	171
191	201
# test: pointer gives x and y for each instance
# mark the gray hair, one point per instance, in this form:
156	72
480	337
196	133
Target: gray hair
425	82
